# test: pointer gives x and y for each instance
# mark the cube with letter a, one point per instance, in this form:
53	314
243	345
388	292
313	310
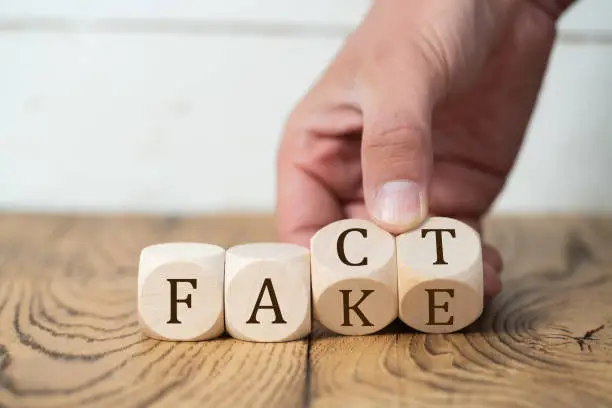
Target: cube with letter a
267	292
354	277
440	276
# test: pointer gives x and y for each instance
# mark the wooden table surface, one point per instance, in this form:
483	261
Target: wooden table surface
69	334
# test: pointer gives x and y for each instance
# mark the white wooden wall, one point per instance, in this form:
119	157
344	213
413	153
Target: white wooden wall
177	106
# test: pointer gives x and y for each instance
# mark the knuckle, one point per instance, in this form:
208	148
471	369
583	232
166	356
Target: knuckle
402	139
398	148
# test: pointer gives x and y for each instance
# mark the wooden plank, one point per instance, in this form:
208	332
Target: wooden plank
68	328
68	333
546	341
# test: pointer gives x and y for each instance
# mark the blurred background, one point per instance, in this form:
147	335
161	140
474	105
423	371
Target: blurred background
177	106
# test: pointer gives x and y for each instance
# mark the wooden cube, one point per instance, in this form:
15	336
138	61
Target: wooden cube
354	277
180	291
440	276
267	292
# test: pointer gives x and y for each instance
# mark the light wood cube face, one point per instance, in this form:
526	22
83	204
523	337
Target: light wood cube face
180	291
267	292
354	277
440	276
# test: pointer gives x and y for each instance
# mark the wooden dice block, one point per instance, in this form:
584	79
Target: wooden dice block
440	276
267	292
180	291
354	277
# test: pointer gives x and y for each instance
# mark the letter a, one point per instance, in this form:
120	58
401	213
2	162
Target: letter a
277	312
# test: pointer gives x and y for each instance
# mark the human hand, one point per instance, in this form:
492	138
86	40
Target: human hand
422	112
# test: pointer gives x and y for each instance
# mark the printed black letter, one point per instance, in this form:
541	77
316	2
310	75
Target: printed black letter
355	307
440	258
433	306
174	301
340	246
277	312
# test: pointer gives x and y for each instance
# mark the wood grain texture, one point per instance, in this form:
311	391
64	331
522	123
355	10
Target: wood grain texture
69	335
68	324
545	341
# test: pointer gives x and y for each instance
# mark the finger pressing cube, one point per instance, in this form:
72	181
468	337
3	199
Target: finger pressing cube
440	276
267	292
354	277
180	291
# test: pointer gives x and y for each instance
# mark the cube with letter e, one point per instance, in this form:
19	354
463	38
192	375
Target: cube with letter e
440	278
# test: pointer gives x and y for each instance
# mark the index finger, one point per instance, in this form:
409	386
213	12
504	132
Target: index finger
303	204
318	172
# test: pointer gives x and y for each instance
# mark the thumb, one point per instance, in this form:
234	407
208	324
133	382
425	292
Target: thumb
397	156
